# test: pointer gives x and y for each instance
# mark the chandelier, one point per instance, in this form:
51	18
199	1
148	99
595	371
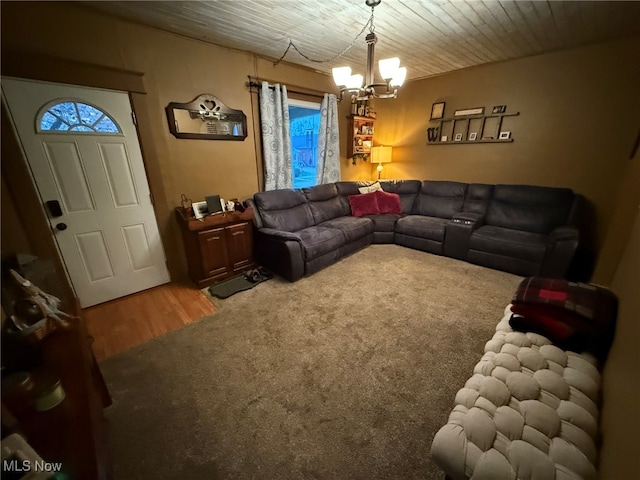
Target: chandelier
390	71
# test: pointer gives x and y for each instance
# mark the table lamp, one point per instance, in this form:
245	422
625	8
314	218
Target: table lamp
381	154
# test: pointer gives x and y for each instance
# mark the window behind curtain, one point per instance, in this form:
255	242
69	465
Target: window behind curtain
304	120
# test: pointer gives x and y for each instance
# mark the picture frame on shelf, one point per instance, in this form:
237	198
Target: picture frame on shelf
468	111
437	111
505	135
444	138
200	209
473	136
458	137
499	109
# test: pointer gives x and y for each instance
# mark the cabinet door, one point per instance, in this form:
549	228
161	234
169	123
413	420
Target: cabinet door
213	248
240	246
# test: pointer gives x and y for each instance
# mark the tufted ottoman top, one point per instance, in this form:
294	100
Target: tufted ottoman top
530	411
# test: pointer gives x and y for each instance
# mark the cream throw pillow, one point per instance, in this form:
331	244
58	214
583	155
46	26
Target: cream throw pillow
371	188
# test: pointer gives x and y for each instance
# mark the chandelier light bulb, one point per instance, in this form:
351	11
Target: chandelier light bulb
355	81
389	67
399	77
341	76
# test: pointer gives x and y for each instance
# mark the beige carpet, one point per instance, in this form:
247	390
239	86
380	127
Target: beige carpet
346	374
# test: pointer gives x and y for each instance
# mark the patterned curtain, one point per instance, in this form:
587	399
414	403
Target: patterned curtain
276	142
328	141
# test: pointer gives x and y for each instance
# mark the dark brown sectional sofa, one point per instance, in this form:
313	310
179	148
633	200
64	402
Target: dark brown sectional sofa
523	229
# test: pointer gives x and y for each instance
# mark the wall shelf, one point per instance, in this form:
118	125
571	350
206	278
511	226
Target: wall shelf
487	128
359	137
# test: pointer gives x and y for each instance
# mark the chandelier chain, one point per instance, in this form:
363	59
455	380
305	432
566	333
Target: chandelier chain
326	60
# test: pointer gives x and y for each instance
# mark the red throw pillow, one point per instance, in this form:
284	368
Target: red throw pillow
388	202
364	204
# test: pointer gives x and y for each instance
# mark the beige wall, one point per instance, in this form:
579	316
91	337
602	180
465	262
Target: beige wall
620	261
620	422
578	121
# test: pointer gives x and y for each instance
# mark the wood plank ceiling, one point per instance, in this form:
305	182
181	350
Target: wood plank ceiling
431	37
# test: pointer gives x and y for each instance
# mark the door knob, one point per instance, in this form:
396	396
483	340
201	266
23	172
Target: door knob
61	226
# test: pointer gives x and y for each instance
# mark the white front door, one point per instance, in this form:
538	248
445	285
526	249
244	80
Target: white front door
83	151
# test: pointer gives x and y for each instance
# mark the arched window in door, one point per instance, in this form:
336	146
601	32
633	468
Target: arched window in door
75	116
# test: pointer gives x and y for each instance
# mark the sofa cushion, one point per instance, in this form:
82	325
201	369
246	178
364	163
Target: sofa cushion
406	189
384	222
477	198
285	209
388	202
440	199
350	188
352	228
364	204
431	228
317	241
325	203
509	243
345	189
529	208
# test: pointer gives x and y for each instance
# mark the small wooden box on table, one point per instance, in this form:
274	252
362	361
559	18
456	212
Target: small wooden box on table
217	246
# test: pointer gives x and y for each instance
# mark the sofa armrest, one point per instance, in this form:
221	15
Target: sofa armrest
566	232
257	219
280	251
279	234
458	233
561	246
474	220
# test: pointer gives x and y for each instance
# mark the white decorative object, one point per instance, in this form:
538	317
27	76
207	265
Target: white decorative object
200	209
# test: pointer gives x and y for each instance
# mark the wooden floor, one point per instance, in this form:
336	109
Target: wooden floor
121	324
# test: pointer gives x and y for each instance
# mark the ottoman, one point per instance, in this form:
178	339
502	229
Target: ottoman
530	411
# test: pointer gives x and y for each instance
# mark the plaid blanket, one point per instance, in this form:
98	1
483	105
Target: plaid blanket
577	316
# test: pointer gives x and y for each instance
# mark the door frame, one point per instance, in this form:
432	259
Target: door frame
18	177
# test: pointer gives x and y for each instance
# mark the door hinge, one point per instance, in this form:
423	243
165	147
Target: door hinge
133	117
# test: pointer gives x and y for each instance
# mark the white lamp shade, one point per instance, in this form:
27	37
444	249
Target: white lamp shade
341	75
388	67
398	78
381	154
355	81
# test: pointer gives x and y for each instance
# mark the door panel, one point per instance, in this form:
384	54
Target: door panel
240	245
137	244
119	175
112	245
94	255
69	176
213	248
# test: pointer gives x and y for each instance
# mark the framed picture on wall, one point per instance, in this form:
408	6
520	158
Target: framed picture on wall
437	111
